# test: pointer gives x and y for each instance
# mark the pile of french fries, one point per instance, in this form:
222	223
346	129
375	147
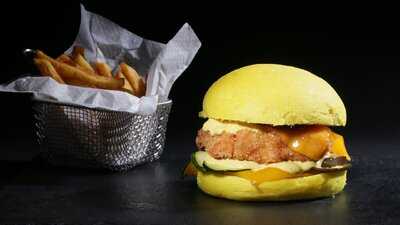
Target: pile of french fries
74	69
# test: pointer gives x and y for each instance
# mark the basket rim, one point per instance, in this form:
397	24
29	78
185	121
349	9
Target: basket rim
169	101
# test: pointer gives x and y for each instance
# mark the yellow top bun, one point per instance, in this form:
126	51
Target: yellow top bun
237	188
274	94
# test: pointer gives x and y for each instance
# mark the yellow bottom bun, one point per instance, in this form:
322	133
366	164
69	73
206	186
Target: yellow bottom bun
237	188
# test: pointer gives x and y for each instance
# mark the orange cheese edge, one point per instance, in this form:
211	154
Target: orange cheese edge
315	141
190	170
338	146
267	174
311	141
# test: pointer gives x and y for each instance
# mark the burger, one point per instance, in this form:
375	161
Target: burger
268	136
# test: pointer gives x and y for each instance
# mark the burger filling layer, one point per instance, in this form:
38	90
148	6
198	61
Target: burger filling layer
268	144
262	153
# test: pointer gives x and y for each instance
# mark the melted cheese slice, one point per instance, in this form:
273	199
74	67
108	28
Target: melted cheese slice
338	147
311	141
275	171
267	174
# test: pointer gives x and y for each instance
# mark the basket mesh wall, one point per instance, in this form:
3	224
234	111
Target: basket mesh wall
91	138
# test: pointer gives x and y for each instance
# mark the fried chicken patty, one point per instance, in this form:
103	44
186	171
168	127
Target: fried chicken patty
267	146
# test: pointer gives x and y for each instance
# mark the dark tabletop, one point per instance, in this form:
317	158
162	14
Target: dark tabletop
155	193
364	72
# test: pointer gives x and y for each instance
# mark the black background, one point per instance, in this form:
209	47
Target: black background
357	53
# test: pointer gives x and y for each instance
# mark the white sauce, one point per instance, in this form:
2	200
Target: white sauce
218	127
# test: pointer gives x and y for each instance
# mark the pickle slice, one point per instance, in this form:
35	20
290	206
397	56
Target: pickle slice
332	164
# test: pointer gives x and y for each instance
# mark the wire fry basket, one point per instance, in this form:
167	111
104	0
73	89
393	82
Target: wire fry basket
76	136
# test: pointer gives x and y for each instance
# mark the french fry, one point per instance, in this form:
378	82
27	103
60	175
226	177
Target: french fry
68	72
41	55
127	86
66	59
47	69
83	64
134	79
78	56
103	69
77	50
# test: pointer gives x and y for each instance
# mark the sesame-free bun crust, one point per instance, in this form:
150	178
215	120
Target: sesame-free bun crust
237	188
274	94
